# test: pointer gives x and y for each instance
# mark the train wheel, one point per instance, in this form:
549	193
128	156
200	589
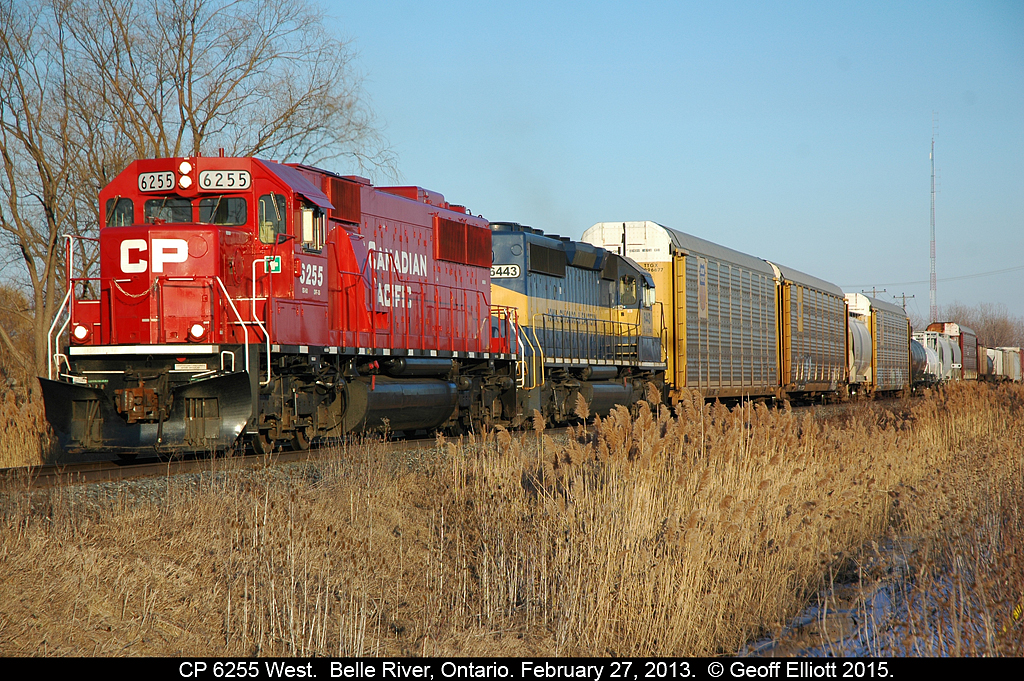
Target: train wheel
300	440
263	444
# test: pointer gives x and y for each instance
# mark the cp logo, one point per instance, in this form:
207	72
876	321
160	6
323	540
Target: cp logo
164	251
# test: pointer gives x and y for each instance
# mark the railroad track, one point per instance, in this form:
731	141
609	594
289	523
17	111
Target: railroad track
38	477
51	475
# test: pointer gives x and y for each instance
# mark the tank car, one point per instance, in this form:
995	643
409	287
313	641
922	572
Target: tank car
240	297
947	355
737	325
879	346
925	367
967	341
588	324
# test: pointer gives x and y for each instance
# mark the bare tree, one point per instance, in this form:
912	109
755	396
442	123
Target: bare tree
995	326
917	322
86	86
39	156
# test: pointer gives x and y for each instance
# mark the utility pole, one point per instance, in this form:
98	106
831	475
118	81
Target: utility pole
904	297
874	292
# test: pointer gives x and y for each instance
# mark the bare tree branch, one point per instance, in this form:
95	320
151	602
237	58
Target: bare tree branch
87	86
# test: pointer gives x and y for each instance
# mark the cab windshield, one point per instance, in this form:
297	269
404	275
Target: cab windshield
209	210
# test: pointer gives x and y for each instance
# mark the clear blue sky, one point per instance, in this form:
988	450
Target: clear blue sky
794	131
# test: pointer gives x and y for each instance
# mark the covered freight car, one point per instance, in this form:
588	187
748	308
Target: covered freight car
812	331
719	307
946	363
1006	364
967	341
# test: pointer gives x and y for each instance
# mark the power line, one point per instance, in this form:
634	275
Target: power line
926	281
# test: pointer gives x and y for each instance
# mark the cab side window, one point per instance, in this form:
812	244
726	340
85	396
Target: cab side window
270	214
648	301
627	290
313	228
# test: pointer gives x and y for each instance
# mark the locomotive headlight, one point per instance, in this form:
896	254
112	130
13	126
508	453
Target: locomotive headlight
80	333
185	181
196	331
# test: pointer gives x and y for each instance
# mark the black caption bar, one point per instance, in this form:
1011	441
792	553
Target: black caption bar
518	669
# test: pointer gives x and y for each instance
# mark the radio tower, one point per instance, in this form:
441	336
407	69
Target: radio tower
931	288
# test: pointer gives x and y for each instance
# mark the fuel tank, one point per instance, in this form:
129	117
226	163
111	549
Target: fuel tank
406	404
603	397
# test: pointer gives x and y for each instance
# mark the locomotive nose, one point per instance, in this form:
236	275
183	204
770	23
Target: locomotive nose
161	282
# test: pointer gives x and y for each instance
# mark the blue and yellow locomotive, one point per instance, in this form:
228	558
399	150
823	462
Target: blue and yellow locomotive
587	322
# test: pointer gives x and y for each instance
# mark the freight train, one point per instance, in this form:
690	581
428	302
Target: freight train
245	301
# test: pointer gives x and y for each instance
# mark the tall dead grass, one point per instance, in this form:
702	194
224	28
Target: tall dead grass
683	531
23	432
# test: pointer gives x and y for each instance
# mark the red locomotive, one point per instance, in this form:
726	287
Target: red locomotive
243	297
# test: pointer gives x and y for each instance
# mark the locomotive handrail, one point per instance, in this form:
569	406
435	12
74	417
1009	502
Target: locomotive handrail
68	302
244	324
507	315
51	339
393	275
258	321
244	330
510	316
69	297
603	328
70	255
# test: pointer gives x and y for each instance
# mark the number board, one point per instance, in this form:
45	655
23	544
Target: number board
219	180
156	182
504	271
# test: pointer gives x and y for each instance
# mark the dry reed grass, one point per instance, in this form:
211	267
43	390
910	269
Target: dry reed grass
684	532
23	432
